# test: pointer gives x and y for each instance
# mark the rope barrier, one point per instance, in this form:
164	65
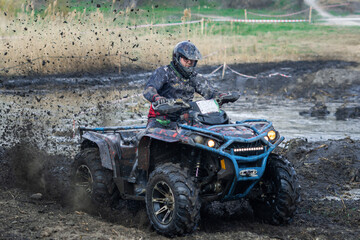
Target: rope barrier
268	20
281	74
216	70
244	75
296	13
240	74
284	15
336	5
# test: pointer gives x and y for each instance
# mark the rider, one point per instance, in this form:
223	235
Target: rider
178	80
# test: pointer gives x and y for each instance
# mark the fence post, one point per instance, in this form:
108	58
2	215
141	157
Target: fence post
310	11
205	26
245	14
202	26
223	71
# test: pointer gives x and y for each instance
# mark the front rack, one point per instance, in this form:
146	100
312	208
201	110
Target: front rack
236	160
109	129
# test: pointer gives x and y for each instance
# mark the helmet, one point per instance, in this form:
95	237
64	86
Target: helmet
188	50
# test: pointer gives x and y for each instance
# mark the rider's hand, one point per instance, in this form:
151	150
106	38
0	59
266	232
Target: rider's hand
227	97
220	97
160	100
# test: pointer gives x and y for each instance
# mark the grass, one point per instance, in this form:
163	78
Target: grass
55	42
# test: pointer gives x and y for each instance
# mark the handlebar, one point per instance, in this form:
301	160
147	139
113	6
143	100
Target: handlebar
171	106
228	97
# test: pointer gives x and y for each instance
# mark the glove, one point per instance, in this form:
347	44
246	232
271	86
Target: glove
227	97
160	100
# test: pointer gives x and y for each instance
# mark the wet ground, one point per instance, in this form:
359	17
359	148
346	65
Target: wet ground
38	130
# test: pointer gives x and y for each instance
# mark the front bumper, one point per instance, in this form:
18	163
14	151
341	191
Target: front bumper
245	174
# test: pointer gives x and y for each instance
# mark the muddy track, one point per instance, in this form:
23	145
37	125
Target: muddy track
39	140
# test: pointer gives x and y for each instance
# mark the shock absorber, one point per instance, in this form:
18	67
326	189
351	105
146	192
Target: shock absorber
197	158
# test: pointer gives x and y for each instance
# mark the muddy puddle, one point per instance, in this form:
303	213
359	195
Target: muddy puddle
286	118
39	138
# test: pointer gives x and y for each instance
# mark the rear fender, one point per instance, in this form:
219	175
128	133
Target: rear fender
108	147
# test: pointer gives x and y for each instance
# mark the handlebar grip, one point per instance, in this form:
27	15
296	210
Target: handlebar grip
171	106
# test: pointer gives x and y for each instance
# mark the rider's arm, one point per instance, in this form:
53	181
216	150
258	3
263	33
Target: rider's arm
154	84
204	88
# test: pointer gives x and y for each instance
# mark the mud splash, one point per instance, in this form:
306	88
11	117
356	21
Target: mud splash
27	167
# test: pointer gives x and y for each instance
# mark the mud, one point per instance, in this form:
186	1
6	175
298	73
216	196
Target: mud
319	110
343	113
39	140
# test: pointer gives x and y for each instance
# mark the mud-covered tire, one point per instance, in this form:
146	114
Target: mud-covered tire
92	184
278	192
172	201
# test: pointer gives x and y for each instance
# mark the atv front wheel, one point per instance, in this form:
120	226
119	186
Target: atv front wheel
93	184
172	200
277	193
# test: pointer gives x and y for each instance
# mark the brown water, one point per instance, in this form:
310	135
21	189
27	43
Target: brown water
286	118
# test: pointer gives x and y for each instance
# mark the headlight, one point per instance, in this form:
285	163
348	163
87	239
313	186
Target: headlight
199	139
211	143
271	135
204	141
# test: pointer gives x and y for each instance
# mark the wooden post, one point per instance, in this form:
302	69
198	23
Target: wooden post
205	28
245	14
310	11
202	26
223	71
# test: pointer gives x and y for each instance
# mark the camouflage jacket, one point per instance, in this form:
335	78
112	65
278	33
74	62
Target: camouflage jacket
167	82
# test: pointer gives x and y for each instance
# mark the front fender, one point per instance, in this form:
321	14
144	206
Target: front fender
144	147
144	153
165	135
108	147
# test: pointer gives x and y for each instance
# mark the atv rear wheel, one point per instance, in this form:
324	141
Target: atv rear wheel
93	184
172	200
277	192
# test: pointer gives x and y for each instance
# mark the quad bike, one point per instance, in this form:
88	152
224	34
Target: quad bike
175	170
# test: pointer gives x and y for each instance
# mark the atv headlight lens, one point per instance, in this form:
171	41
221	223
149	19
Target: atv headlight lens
271	135
199	139
211	143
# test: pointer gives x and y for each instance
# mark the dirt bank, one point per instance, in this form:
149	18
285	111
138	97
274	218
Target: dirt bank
39	139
